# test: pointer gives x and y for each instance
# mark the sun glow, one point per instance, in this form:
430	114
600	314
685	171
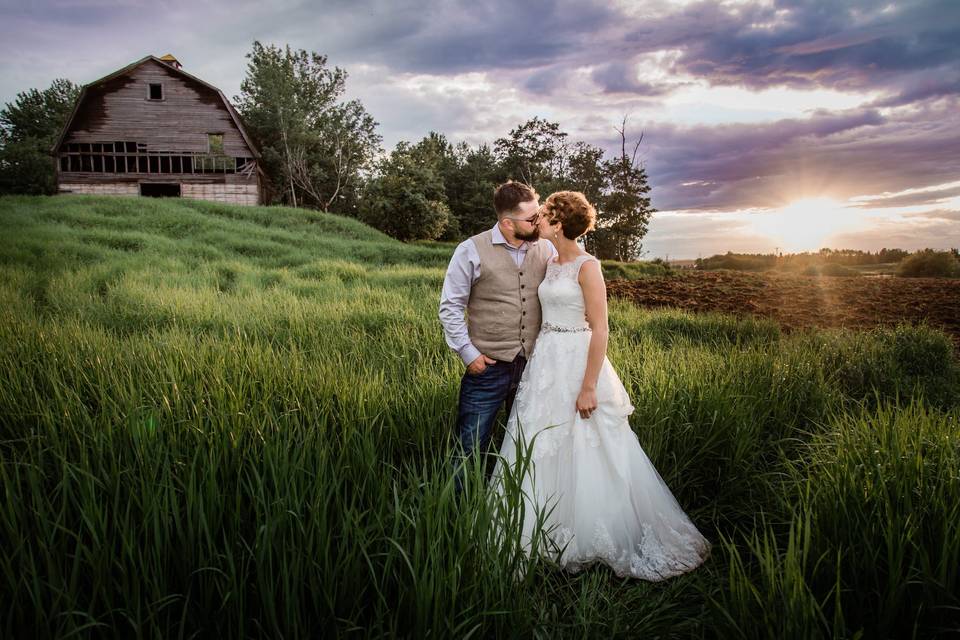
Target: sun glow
807	224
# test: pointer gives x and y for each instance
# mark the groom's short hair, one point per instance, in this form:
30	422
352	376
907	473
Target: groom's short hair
510	194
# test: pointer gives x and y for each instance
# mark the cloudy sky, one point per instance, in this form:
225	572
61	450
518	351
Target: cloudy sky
789	125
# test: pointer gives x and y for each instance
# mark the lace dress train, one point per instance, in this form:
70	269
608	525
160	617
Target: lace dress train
604	501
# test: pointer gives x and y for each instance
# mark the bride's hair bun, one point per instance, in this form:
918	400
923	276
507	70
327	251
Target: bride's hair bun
571	209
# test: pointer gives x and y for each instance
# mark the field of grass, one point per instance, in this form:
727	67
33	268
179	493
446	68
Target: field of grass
236	422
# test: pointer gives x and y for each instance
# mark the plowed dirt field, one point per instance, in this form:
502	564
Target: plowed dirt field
805	301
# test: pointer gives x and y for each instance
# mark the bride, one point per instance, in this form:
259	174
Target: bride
568	445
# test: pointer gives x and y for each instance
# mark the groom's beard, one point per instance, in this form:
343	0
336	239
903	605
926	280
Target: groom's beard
533	235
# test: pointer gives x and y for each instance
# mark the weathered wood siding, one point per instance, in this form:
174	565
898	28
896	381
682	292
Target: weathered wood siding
116	178
233	194
102	189
119	110
245	194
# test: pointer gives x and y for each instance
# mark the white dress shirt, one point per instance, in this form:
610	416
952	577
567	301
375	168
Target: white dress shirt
463	271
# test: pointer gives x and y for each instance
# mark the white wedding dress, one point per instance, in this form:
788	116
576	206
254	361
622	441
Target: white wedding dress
608	502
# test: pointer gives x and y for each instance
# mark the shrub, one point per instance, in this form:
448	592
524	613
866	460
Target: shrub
634	270
930	264
738	262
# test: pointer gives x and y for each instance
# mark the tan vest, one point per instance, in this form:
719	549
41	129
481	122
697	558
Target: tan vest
503	314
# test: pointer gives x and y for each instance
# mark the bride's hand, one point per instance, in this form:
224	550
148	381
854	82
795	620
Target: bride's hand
586	403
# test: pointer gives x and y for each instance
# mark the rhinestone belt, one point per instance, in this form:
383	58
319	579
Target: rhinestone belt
546	326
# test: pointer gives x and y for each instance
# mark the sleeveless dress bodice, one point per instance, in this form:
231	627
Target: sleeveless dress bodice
561	298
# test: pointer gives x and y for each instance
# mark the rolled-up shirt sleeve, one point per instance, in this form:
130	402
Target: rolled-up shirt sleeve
462	272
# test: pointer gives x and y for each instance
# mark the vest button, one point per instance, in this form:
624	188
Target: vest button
523	299
521	273
524	313
522	327
522	286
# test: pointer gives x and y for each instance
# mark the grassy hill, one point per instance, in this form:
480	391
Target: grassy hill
235	421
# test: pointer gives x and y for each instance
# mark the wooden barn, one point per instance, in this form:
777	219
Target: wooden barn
152	129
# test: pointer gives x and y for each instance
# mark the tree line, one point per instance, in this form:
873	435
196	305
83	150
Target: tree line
926	262
319	150
763	261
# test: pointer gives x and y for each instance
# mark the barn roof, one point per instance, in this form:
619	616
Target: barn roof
133	65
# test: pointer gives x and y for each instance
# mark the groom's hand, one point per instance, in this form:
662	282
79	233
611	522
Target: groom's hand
479	365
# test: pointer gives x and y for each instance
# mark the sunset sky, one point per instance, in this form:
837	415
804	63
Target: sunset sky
766	124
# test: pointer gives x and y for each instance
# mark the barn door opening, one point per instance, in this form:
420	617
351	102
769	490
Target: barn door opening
160	189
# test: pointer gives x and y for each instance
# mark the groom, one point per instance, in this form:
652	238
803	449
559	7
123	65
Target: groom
493	277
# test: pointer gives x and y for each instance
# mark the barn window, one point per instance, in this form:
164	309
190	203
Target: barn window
156	91
215	140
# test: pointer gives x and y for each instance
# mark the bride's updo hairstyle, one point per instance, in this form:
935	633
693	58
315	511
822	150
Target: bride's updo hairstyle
571	209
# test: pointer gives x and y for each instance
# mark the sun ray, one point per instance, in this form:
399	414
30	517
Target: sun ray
806	224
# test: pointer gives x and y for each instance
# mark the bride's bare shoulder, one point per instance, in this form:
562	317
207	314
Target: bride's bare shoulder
589	269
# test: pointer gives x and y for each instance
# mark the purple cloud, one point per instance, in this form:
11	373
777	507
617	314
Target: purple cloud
852	45
763	165
911	199
621	77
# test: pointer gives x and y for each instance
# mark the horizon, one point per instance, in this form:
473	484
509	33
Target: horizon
795	254
766	125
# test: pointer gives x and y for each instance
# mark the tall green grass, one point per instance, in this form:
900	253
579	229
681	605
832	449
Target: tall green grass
237	421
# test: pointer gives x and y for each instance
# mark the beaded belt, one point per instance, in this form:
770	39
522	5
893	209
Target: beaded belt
546	326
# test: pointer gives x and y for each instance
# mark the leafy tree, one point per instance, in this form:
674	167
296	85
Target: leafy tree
29	127
586	172
436	152
432	189
406	198
930	264
538	153
534	152
472	201
891	255
625	210
314	148
26	169
347	146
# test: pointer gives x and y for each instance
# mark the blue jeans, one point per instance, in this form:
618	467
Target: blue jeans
481	396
